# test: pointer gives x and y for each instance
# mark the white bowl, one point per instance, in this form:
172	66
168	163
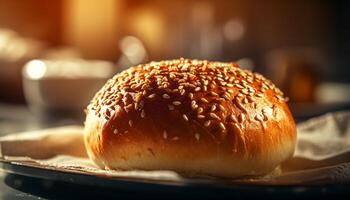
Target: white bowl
63	88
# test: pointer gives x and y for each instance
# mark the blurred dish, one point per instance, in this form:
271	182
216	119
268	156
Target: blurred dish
63	87
137	187
15	51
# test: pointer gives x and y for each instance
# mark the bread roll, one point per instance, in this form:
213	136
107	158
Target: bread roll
190	116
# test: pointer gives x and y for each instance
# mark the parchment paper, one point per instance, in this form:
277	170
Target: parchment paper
322	154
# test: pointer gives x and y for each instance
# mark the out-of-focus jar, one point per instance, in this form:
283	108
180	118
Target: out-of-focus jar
295	72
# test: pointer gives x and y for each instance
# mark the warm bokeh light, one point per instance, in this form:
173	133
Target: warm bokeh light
293	50
234	30
35	69
133	49
90	25
148	24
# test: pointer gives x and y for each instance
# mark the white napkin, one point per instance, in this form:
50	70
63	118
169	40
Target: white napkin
322	154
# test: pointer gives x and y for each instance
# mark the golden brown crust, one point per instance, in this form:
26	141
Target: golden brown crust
195	117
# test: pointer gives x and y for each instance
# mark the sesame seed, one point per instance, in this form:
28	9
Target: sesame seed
245	100
214	93
239	86
166	96
205	88
233	118
244	91
131	86
230	91
130	123
175	138
213	115
204	100
222	126
151	96
191	85
115	131
200	110
165	134
225	96
207	123
279	98
222	108
185	117
176	103
143	114
182	92
200	116
197	136
194	104
213	108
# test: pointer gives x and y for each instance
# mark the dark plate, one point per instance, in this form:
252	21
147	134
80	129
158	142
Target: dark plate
46	182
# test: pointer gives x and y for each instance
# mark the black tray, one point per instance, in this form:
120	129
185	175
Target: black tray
49	183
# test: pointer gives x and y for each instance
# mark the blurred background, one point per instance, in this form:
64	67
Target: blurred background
54	55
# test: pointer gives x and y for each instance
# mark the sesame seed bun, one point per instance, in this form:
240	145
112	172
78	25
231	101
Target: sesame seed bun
194	117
